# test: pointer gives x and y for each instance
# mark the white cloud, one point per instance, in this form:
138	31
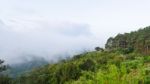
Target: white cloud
43	38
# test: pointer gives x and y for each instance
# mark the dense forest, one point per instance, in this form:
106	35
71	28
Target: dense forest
125	60
137	40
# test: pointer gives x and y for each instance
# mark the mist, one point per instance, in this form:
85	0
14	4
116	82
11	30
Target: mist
56	29
22	39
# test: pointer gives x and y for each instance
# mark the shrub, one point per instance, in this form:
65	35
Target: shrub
88	65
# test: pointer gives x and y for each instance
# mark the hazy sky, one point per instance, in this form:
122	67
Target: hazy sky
52	27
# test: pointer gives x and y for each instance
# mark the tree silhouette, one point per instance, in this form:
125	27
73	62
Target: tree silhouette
99	49
2	67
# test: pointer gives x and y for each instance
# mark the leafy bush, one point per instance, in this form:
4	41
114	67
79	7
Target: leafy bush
88	65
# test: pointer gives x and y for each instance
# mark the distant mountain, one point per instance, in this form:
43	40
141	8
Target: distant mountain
28	65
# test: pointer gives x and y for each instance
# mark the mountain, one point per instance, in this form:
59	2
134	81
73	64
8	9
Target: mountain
126	60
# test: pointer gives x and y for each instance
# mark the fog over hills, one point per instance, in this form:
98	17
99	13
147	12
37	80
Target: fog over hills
74	41
20	39
51	28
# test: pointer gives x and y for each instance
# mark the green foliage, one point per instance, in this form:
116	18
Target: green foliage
67	72
5	79
93	68
137	40
125	61
88	65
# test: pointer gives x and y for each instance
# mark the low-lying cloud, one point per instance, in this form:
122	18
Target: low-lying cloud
22	38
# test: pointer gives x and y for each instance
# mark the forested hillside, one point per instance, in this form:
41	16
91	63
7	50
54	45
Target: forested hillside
126	60
137	40
93	68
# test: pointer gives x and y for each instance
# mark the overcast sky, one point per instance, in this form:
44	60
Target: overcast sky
53	27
